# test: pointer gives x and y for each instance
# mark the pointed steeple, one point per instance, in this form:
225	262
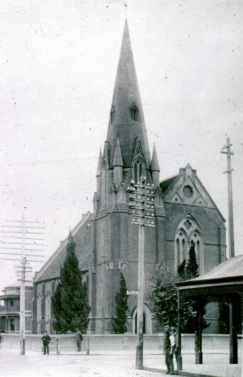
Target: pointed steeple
126	116
155	168
99	167
117	161
117	165
155	162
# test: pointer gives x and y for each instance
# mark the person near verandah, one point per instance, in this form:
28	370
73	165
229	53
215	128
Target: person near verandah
173	348
173	338
168	351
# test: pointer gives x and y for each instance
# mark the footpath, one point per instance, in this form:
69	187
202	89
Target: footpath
109	364
214	365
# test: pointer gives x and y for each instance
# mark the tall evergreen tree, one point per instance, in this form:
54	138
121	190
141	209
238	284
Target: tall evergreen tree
163	300
70	300
119	323
164	297
192	265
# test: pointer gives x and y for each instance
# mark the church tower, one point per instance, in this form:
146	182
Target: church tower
125	157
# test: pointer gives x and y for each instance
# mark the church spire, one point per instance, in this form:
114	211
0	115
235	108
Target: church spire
117	165
99	167
155	162
155	167
126	116
117	161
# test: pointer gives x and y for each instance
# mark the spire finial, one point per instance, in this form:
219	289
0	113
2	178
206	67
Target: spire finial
125	5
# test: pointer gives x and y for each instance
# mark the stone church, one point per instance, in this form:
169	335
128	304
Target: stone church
107	242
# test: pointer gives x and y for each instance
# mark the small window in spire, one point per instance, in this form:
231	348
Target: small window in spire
112	113
137	172
134	111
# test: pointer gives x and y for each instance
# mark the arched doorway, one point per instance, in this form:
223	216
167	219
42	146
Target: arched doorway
136	323
147	321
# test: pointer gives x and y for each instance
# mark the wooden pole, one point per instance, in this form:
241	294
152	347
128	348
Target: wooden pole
22	293
200	354
233	334
179	357
231	242
142	202
139	356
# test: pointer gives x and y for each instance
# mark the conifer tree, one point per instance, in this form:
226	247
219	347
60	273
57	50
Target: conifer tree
163	300
192	265
70	300
119	323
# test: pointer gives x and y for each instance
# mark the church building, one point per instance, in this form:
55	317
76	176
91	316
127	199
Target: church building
107	241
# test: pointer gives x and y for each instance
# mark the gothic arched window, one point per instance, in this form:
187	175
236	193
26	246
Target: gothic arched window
48	307
39	311
112	113
137	171
134	112
188	231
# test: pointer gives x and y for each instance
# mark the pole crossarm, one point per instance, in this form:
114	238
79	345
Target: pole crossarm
21	253
141	201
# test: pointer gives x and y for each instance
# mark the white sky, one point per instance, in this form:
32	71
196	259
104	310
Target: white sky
58	65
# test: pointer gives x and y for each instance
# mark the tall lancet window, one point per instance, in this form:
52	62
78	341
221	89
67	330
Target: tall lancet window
134	111
187	232
137	171
112	113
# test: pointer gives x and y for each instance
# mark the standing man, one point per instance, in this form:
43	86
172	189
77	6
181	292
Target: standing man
46	340
79	338
173	340
167	350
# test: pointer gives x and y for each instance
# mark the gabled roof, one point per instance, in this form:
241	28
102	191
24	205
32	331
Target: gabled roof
164	185
51	269
126	99
186	188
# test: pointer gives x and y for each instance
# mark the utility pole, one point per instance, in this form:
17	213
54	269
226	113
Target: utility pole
141	200
16	233
231	242
103	293
22	292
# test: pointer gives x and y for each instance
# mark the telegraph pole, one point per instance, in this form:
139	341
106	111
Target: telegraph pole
16	233
141	200
103	293
229	170
22	293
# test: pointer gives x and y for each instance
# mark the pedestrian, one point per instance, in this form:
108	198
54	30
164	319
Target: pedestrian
173	345
46	340
79	338
173	338
167	350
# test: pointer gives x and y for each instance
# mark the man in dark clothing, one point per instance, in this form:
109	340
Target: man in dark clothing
46	340
79	338
168	351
